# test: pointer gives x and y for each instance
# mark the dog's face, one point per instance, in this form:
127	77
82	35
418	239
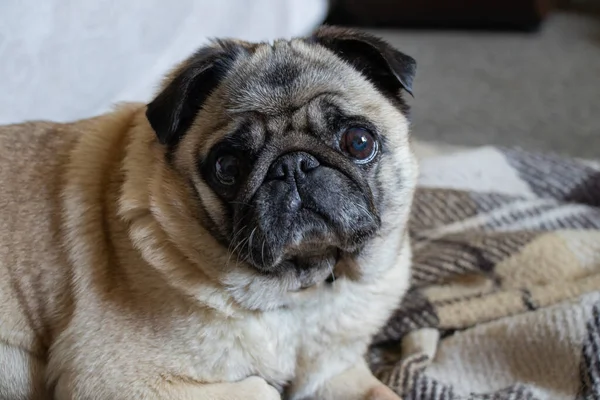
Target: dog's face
297	151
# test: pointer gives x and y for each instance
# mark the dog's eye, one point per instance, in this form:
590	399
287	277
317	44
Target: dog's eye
359	144
227	169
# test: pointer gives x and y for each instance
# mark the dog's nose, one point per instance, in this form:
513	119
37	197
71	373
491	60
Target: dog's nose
292	165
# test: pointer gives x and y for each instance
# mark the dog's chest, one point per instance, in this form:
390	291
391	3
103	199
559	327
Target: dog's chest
265	344
233	349
274	344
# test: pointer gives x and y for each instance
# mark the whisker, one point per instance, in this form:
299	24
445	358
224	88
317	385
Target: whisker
243	243
233	240
250	245
363	208
262	253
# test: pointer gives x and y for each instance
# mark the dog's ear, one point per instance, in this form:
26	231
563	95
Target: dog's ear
389	69
172	112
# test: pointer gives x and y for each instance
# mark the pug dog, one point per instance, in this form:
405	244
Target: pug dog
242	236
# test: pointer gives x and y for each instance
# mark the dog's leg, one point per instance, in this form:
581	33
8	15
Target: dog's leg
252	388
355	383
21	374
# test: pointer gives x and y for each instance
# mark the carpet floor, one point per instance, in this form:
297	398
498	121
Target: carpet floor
534	90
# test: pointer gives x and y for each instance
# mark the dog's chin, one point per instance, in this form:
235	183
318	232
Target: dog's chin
310	264
310	269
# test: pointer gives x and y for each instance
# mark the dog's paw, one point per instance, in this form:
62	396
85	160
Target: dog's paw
255	388
381	392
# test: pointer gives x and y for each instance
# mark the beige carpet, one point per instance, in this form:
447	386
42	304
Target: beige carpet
540	91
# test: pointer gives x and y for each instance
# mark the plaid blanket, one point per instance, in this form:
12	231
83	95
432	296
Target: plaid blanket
505	300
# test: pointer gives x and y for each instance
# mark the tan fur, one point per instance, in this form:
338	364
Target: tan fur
110	289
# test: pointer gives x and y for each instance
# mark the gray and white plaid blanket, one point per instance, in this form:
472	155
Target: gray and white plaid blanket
505	301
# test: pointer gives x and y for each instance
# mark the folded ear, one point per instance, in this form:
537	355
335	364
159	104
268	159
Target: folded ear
389	69
172	112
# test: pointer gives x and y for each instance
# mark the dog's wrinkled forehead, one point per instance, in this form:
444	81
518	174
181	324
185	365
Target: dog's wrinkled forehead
285	76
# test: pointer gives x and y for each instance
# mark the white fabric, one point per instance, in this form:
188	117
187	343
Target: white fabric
482	169
69	59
